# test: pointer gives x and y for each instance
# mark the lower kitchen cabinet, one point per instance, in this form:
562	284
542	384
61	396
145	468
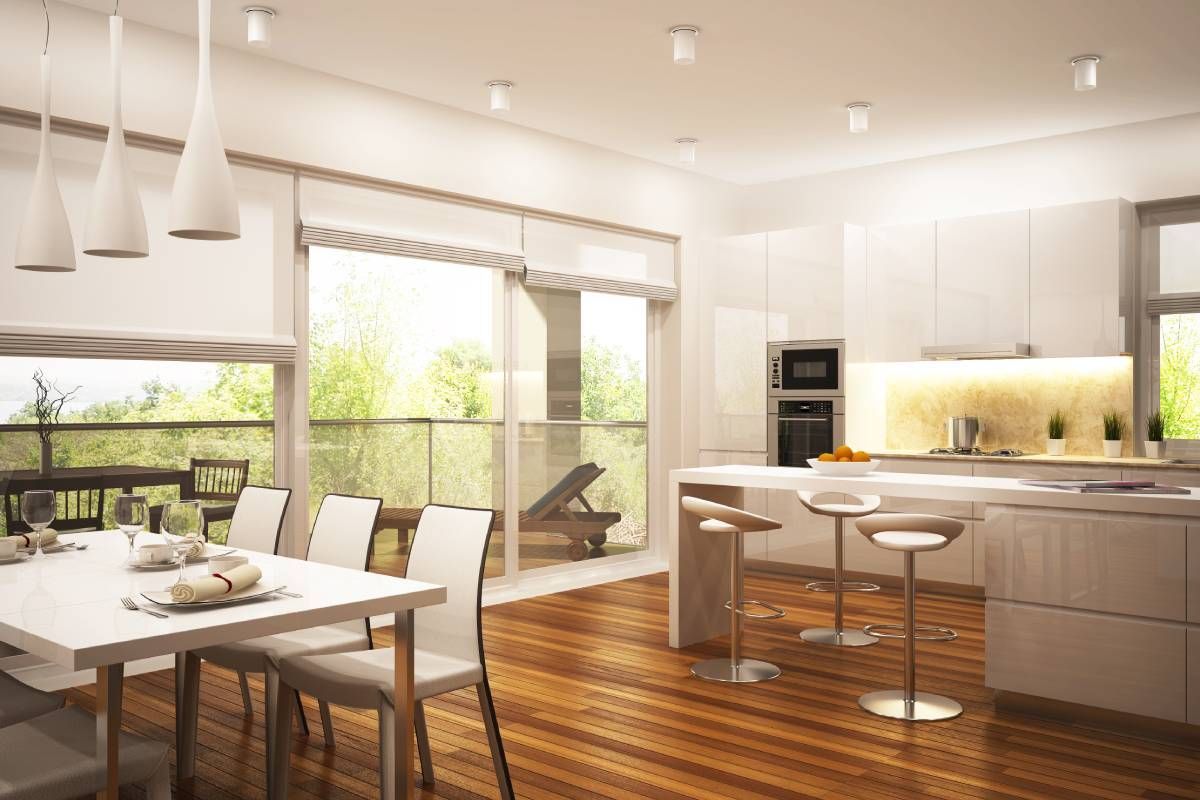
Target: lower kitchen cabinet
1193	674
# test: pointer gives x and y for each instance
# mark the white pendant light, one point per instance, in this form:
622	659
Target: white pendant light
858	116
203	201
116	226
687	150
44	241
683	41
1085	72
258	25
500	95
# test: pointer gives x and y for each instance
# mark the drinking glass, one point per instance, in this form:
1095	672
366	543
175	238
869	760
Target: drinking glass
182	522
131	516
38	508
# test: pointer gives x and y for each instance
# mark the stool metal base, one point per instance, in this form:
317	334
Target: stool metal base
747	670
832	637
925	707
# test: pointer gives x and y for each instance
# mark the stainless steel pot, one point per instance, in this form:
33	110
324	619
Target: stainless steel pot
964	432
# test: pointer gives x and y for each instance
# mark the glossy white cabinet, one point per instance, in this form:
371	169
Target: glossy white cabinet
754	500
983	279
1193	674
1193	573
805	290
1079	262
900	291
962	509
733	345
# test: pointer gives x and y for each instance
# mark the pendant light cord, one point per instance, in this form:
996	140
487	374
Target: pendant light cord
46	45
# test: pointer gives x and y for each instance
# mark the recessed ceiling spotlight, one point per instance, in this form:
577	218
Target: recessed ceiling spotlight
858	116
258	25
501	92
1085	72
683	37
687	150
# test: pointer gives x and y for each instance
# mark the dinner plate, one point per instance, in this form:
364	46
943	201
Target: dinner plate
211	552
172	564
17	559
57	547
252	592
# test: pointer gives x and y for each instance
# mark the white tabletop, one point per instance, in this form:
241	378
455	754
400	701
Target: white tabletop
1003	491
66	607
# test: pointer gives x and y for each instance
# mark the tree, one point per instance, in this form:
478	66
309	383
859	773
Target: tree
611	383
1179	375
456	380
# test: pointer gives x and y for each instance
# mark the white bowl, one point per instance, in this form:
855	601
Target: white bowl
843	468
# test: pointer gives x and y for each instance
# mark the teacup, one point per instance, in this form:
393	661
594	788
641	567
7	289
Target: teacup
155	553
8	548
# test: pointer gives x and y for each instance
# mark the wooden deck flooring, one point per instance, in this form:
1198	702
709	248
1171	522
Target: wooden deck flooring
593	704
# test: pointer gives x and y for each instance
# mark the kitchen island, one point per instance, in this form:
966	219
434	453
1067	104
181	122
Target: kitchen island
1092	599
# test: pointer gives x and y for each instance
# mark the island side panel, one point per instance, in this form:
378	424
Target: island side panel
699	567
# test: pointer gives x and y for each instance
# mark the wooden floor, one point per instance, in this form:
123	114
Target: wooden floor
593	704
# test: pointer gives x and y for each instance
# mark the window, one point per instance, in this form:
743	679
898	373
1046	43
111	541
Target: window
1179	375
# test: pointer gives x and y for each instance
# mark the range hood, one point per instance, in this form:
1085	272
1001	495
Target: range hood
963	352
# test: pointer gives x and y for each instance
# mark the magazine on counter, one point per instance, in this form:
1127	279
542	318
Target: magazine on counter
1109	487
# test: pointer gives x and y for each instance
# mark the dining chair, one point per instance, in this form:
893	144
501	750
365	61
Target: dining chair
220	479
449	548
53	757
20	701
80	508
341	536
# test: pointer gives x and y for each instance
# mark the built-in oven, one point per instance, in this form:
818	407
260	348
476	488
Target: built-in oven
806	369
800	429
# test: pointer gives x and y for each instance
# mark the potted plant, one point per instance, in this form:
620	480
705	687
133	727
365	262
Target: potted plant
1114	432
48	402
1056	427
1155	423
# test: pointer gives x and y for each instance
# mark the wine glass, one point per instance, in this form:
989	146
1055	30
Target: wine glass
131	516
182	522
38	507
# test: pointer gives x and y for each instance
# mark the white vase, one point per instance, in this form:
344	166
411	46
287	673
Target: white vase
1112	448
1056	447
1153	449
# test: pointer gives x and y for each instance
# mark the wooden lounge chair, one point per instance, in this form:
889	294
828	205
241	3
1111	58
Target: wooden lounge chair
551	513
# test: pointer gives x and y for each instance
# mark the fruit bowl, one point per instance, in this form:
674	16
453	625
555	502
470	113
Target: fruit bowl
843	468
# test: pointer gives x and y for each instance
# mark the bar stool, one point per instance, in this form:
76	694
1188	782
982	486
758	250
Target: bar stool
837	636
735	522
910	534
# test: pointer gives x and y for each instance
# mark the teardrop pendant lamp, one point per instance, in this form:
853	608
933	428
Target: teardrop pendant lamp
203	201
116	226
44	242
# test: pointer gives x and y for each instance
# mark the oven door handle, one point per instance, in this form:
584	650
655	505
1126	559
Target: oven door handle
804	419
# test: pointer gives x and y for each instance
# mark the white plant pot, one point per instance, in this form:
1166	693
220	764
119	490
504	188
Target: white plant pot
1154	449
1112	448
1056	447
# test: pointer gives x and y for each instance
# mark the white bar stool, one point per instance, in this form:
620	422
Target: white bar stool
837	635
910	534
735	522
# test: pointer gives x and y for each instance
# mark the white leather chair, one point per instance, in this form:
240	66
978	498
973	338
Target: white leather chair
53	757
19	701
341	536
449	548
910	534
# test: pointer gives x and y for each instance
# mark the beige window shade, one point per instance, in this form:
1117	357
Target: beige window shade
53	342
1176	303
562	255
376	221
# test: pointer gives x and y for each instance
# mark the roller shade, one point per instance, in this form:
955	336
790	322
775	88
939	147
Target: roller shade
562	255
51	342
375	221
1177	303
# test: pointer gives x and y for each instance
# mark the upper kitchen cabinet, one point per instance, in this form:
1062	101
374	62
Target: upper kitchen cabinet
983	279
733	344
1079	270
900	303
809	272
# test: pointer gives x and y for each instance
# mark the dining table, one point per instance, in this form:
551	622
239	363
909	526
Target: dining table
66	607
125	477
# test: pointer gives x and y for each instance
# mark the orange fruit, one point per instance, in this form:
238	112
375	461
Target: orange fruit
843	451
843	458
827	457
860	456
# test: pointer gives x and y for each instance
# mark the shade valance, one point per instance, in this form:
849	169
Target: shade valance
565	255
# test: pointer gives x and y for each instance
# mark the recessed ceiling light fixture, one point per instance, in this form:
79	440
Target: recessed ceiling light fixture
1085	72
683	39
687	150
258	25
858	116
501	95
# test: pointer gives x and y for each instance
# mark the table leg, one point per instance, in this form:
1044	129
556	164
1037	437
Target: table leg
402	739
109	680
698	577
187	709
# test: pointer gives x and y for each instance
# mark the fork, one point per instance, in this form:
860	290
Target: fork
132	606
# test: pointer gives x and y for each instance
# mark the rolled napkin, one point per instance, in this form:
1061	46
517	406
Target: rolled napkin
49	535
197	547
210	587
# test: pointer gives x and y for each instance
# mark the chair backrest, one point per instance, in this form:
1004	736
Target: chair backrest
563	492
913	523
738	518
79	509
258	519
449	548
342	535
219	479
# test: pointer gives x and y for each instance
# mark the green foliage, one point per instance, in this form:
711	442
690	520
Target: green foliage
613	388
1056	425
1179	375
1114	426
1155	424
456	382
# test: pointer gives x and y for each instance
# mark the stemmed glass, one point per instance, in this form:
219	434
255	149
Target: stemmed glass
131	516
38	508
182	522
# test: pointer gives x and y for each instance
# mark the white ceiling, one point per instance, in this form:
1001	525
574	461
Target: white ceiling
766	97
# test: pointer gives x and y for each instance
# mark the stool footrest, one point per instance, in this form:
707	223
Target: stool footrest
924	633
773	612
847	586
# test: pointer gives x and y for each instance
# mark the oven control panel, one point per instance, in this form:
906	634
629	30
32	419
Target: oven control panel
774	367
805	407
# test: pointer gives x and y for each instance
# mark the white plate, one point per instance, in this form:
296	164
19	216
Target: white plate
17	559
54	548
249	593
843	468
211	552
172	564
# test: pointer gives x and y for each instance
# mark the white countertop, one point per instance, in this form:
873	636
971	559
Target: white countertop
1005	491
1127	462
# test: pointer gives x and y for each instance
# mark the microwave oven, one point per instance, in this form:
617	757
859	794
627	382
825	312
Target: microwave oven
815	368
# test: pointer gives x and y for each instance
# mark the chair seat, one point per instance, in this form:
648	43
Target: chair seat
19	702
252	654
54	756
909	541
840	509
357	679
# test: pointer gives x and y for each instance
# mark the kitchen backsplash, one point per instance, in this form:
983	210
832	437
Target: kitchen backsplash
1012	399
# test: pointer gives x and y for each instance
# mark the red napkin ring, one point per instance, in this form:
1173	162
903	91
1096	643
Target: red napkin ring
28	541
228	583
